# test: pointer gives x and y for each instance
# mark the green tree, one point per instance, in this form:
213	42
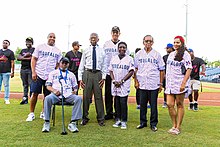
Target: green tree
63	54
18	50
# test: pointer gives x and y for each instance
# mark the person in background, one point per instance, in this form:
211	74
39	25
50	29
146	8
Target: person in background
195	79
92	74
121	69
137	94
74	57
177	82
69	84
110	48
25	73
149	76
169	49
6	68
44	60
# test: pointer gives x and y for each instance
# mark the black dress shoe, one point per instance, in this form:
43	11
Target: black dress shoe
84	122
101	123
141	126
108	116
153	128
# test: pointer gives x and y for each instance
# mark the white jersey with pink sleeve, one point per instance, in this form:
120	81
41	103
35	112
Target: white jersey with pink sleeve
120	68
47	59
149	66
111	50
174	76
67	79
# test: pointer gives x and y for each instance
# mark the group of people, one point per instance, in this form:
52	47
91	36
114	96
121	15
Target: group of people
44	68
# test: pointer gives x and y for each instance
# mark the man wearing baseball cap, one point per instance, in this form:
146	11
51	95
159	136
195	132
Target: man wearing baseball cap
58	79
25	73
195	79
74	57
110	48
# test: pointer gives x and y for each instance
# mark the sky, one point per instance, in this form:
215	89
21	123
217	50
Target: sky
163	19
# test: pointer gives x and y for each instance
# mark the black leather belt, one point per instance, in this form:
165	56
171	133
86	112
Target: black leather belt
93	71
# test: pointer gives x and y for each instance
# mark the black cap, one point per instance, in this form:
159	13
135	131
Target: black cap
76	43
115	28
30	39
64	59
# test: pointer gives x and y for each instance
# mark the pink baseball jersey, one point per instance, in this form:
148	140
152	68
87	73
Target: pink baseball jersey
47	58
149	66
174	76
120	68
68	81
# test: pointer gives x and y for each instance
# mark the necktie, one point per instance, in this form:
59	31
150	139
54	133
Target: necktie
94	58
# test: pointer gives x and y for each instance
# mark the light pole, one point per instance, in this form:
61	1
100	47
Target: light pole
186	33
69	26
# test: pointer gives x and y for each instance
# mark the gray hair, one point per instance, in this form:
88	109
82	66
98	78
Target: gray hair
94	34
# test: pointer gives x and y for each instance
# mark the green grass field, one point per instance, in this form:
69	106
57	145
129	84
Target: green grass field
199	129
16	86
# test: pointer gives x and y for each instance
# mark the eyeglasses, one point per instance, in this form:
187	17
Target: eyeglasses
148	41
122	47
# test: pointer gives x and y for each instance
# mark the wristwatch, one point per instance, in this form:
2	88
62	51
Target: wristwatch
122	81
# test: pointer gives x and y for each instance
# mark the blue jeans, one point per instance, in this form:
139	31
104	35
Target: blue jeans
53	99
5	78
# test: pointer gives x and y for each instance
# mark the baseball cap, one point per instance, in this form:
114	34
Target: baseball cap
115	28
190	50
169	45
65	60
76	43
30	39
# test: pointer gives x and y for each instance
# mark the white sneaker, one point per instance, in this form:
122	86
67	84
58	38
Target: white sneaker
117	124
42	115
46	127
72	127
30	117
123	125
171	130
7	102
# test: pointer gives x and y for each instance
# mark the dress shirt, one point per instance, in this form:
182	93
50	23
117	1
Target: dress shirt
86	61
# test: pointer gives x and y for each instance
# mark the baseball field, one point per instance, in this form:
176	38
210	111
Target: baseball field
199	128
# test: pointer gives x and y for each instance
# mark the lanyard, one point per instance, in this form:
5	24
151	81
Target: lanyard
65	78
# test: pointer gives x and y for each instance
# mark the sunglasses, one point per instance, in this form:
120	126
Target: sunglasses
148	41
64	63
122	47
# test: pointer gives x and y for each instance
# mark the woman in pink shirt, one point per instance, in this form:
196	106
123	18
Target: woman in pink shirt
177	82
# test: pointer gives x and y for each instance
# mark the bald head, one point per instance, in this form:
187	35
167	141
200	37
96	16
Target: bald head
51	39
